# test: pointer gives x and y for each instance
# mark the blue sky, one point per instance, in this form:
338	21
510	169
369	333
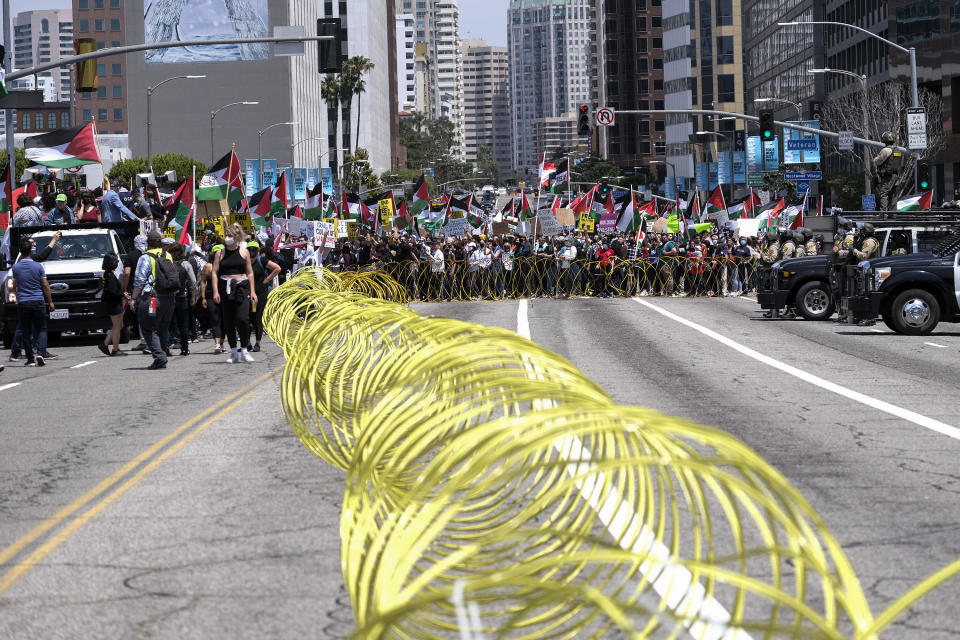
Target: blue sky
485	19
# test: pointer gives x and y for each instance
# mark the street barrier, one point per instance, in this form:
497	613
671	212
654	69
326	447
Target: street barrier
544	277
494	491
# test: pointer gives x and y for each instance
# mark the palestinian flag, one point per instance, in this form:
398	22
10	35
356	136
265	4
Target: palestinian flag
259	204
475	215
560	182
331	211
916	203
350	206
546	168
278	199
5	191
64	148
421	198
798	220
296	212
715	203
555	206
770	219
630	216
525	212
403	217
222	182
693	206
181	205
509	211
3	84
820	207
434	218
313	206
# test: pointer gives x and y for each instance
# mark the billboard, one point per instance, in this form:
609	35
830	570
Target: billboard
172	20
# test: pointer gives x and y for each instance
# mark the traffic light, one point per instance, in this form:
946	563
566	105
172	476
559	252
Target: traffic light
603	190
767	131
923	175
583	120
329	52
85	72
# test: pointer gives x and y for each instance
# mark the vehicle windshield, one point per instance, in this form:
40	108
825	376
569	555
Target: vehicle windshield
78	247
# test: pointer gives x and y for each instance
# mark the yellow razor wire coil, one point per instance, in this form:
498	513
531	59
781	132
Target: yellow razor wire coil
493	491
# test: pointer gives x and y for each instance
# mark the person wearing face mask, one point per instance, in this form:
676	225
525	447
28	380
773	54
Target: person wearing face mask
264	271
742	257
232	277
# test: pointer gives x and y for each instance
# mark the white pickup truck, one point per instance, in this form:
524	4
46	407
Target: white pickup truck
74	271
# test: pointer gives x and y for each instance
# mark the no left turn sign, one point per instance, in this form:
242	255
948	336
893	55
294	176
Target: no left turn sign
604	117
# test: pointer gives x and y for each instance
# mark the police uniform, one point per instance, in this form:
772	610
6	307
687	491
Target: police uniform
800	251
810	247
868	249
770	253
887	165
787	249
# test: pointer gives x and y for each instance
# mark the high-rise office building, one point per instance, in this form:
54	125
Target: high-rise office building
406	64
436	25
549	44
486	101
627	62
106	22
703	69
45	36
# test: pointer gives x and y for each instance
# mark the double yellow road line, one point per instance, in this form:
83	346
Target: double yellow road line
112	488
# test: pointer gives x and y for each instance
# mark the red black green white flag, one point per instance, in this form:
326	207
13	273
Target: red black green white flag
421	198
64	148
278	199
313	206
181	205
222	181
260	206
526	213
715	203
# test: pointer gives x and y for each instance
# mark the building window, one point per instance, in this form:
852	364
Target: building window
644	128
114	43
724	13
660	148
98	4
643	45
85	95
658	125
724	49
643	86
44	26
52	120
101	92
725	88
83	4
116	68
114	24
102	70
25	125
641	25
658	43
83	25
64	119
114	4
101	44
101	114
99	24
118	91
118	114
87	115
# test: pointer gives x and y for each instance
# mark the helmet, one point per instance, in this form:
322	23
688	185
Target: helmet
818	237
771	234
797	237
807	234
888	137
868	229
786	235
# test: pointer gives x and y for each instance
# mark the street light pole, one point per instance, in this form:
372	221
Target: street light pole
867	168
911	52
150	91
213	114
260	145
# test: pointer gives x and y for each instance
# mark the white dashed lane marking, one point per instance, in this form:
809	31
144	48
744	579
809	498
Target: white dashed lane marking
83	364
9	386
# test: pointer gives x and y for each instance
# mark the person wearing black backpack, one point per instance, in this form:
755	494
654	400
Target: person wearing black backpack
155	284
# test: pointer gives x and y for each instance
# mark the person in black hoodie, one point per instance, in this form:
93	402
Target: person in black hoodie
113	300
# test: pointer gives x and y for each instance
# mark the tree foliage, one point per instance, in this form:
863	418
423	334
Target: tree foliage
596	170
358	175
780	187
487	167
886	105
20	162
126	170
847	189
399	176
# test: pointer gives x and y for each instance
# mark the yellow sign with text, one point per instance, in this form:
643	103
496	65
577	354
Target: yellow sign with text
217	222
586	222
243	219
386	210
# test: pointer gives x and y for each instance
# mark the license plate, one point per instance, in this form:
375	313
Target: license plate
60	314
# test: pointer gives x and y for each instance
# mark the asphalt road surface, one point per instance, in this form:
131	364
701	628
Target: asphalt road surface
177	504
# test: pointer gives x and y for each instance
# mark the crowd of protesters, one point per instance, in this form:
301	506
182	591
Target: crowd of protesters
576	263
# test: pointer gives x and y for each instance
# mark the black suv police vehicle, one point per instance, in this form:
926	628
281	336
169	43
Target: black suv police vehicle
912	293
805	283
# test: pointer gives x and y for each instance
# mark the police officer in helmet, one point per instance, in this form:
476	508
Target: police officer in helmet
886	166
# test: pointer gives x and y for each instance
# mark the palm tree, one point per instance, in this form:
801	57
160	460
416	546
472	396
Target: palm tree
358	65
330	92
347	80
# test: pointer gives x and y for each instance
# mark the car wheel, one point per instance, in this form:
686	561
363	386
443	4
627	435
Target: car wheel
915	312
888	320
814	301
